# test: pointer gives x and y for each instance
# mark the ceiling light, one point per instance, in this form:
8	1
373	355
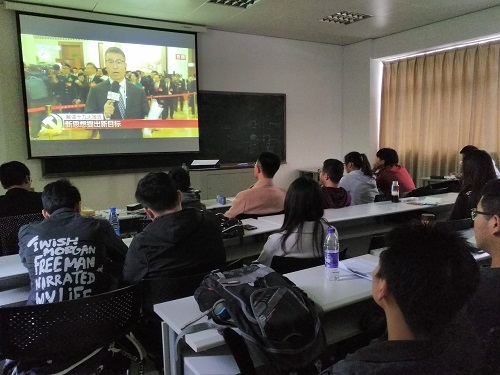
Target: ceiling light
345	18
235	3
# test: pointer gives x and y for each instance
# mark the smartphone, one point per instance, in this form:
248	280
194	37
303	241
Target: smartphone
249	227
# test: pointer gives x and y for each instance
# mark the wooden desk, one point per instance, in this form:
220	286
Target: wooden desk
330	296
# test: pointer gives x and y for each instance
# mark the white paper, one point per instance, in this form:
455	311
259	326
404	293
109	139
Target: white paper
154	111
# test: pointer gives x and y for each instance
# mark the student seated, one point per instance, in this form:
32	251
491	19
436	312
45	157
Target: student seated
182	182
303	230
359	180
422	281
477	170
466	149
262	197
387	169
484	306
178	242
19	198
69	256
330	175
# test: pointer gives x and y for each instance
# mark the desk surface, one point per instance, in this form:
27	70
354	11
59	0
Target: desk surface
329	295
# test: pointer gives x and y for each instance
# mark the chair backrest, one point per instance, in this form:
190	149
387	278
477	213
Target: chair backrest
256	216
162	289
382	198
456	225
425	191
9	228
68	329
284	265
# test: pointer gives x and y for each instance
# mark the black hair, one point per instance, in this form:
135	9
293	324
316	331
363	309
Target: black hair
115	50
60	194
269	163
466	149
431	274
303	202
360	161
180	178
477	170
91	64
334	169
157	191
491	197
13	173
389	156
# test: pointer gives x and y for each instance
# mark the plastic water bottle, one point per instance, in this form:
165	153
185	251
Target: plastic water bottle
395	191
331	251
113	220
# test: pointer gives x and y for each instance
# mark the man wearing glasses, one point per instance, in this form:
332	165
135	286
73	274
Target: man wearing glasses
131	105
484	308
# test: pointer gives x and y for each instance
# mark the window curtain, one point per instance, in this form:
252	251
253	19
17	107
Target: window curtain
435	104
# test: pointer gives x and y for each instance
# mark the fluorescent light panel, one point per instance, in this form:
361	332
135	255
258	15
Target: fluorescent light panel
345	18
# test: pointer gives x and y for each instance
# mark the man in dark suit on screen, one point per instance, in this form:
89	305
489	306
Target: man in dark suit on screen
131	105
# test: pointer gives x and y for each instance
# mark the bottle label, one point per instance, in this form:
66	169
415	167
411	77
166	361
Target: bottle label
331	259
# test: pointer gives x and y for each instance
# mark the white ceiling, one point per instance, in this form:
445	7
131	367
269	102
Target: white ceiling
291	19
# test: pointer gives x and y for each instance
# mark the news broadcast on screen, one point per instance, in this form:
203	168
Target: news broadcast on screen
96	89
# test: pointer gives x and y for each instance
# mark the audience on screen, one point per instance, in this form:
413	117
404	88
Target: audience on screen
69	256
19	199
330	175
182	182
484	307
422	282
359	180
387	170
303	230
263	197
477	170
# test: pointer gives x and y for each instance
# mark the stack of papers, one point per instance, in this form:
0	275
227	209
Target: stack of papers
360	267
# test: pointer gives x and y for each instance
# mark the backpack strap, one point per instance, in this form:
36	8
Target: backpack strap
239	350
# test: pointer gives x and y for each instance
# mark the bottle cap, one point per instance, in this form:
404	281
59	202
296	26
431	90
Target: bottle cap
331	230
112	208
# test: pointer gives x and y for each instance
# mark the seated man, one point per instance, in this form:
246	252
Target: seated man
484	307
262	197
423	280
178	242
69	256
182	182
330	175
19	198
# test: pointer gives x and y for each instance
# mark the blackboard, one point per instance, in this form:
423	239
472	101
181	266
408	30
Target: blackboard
237	127
234	128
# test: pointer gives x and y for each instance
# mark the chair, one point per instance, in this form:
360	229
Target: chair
68	330
9	228
382	198
378	241
256	216
425	191
456	225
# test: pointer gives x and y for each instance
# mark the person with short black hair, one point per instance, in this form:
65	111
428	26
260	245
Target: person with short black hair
182	181
69	256
263	197
359	180
334	196
484	307
303	231
19	198
387	169
178	242
422	282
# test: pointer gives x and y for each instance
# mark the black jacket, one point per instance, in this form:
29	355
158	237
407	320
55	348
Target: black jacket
19	201
186	242
69	256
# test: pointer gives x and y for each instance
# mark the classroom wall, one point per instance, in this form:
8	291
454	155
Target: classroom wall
360	90
309	74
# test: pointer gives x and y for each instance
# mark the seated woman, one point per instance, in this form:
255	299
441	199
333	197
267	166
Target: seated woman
303	230
359	180
477	170
387	169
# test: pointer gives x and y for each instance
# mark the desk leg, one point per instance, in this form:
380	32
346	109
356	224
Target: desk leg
168	337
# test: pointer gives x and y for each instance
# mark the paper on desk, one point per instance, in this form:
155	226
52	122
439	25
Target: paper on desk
359	267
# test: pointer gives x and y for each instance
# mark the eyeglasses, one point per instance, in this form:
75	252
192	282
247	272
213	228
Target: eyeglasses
474	212
117	62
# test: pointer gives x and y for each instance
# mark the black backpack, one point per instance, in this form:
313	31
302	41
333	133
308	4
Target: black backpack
275	318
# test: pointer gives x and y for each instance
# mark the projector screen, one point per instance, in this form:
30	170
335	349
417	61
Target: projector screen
98	89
